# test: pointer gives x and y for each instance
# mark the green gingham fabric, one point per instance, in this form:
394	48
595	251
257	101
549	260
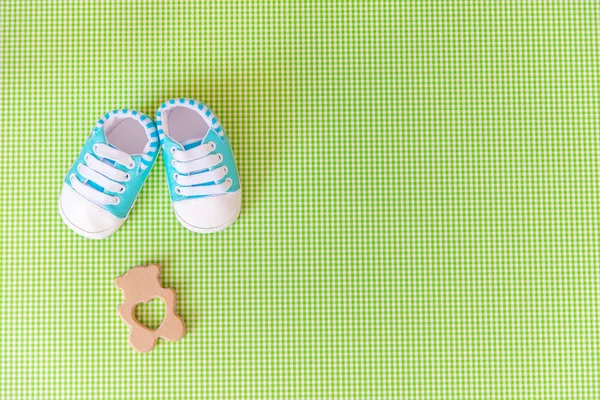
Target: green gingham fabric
421	200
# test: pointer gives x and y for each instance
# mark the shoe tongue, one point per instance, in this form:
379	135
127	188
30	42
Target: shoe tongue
191	143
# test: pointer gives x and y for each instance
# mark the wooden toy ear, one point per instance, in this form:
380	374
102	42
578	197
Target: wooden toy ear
118	282
155	269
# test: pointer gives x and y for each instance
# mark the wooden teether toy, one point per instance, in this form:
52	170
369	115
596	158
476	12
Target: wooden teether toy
141	285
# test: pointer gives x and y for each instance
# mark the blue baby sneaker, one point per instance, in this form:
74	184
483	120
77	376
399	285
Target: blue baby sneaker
103	183
201	172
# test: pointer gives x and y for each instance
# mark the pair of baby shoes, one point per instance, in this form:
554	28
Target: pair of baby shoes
105	180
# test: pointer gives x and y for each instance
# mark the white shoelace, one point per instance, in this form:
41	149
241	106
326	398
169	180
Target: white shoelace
103	174
191	162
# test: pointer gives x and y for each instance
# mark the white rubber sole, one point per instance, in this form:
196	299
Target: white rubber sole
89	235
219	228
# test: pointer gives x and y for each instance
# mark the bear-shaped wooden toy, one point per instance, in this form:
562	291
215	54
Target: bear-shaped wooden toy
141	285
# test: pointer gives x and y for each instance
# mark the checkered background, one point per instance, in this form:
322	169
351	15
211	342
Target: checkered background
421	200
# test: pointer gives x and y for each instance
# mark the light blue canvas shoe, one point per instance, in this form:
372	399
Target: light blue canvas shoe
201	172
103	183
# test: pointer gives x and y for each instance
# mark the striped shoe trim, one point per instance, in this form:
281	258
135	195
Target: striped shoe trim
209	116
